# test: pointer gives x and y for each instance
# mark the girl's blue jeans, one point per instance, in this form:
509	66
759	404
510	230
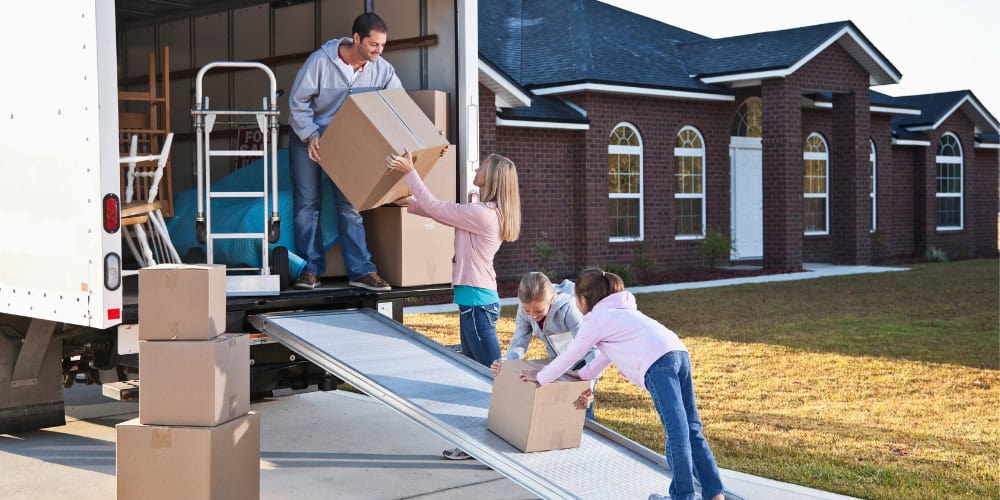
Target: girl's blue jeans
688	455
478	329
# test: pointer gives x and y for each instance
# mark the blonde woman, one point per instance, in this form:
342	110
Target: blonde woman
479	229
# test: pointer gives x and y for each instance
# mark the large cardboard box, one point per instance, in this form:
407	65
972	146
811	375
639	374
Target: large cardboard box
170	462
195	382
182	301
369	127
407	249
442	180
536	418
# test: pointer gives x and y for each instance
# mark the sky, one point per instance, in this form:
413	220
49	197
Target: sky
937	45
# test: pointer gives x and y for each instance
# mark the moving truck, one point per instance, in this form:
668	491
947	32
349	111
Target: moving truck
68	306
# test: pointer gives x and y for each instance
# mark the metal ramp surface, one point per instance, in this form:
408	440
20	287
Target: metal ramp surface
449	394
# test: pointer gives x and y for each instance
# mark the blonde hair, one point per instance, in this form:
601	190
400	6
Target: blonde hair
500	185
535	287
593	285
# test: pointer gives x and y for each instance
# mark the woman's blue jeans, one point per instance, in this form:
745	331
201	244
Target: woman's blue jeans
477	327
688	455
307	178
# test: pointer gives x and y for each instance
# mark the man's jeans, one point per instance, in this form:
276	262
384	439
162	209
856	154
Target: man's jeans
307	178
669	383
477	327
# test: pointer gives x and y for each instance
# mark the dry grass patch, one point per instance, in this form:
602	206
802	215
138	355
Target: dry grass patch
876	386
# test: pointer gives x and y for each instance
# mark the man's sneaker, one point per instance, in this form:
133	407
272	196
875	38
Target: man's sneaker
307	281
371	281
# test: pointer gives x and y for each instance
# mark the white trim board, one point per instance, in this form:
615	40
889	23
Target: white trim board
540	124
502	87
630	90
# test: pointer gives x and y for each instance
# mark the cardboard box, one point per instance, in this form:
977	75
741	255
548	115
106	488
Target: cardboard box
194	382
409	250
169	462
367	128
442	180
182	301
335	263
536	418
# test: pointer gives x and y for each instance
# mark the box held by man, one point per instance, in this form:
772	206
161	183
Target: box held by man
369	127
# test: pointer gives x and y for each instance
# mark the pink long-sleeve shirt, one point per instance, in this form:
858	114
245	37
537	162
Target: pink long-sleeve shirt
623	336
477	233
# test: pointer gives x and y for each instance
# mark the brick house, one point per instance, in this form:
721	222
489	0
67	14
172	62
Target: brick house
635	139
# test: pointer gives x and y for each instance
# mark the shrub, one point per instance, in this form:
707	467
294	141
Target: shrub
642	262
935	254
717	245
547	255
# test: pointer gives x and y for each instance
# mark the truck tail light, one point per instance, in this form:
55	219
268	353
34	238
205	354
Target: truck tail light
112	271
112	213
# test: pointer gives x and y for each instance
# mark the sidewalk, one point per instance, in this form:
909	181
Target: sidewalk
812	271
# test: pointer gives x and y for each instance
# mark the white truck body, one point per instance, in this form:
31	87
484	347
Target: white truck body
58	163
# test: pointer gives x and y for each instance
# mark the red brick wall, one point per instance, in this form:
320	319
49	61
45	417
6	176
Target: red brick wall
564	177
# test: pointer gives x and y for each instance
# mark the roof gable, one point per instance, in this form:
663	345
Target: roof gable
937	107
780	53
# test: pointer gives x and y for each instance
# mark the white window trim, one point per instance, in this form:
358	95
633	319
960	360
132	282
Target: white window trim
826	195
873	158
960	161
698	153
629	150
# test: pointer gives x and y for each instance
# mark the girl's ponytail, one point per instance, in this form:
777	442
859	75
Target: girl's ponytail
593	285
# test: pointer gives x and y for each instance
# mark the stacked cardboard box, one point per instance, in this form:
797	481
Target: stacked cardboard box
408	250
536	418
195	436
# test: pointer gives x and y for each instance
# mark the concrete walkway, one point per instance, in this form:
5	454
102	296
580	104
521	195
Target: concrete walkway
812	271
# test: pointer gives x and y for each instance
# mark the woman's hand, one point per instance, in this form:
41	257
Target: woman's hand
582	402
444	150
495	367
530	375
400	163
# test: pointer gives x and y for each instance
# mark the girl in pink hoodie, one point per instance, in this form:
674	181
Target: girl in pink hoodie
650	356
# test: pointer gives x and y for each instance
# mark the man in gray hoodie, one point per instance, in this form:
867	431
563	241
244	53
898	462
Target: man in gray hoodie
339	68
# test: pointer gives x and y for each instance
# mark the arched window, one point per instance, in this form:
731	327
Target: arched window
873	183
749	119
625	184
689	184
949	184
816	156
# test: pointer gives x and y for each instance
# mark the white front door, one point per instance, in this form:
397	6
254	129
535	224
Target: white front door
747	198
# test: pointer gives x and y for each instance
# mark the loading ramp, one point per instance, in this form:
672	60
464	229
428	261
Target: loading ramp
449	394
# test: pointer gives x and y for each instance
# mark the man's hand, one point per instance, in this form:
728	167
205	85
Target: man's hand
314	149
582	402
495	367
444	150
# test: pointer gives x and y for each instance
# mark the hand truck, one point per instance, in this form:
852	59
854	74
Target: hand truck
267	279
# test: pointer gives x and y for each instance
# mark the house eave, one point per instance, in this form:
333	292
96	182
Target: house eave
504	89
631	90
542	124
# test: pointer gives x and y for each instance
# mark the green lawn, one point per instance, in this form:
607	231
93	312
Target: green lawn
877	386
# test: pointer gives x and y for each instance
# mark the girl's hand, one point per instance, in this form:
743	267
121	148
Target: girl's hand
582	402
530	375
495	367
400	163
444	150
